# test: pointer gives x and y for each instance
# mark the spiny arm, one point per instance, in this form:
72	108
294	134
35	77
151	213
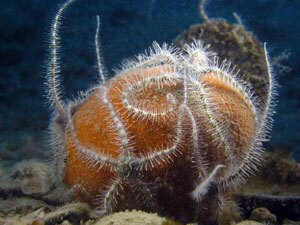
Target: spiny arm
202	10
97	44
268	111
54	91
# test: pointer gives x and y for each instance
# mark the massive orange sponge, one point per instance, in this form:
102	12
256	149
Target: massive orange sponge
169	132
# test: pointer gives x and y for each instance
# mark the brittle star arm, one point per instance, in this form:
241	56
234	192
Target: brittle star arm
108	200
155	56
97	45
53	83
202	10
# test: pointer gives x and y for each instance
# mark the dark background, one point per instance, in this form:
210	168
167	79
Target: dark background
127	28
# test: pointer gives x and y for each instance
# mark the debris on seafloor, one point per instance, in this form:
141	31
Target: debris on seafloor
249	222
281	167
28	193
28	196
135	217
47	205
33	179
290	222
276	188
263	215
71	213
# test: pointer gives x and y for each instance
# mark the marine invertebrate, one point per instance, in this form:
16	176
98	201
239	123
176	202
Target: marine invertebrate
167	133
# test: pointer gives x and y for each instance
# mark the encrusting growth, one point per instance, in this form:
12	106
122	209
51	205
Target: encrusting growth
168	130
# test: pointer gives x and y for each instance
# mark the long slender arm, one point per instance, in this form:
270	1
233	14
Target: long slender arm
97	44
54	90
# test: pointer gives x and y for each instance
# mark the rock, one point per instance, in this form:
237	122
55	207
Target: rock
249	222
33	218
281	168
75	213
276	187
263	215
290	222
282	206
26	178
58	196
134	218
66	223
29	186
21	205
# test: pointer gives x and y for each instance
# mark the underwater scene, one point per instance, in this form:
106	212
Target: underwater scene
152	112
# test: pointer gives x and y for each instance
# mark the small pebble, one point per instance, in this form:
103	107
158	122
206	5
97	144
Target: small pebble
290	222
263	215
249	222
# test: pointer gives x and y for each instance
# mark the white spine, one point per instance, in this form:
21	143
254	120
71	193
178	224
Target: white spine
97	44
204	186
122	133
54	92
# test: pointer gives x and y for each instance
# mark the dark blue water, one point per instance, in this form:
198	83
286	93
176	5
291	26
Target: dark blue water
128	27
